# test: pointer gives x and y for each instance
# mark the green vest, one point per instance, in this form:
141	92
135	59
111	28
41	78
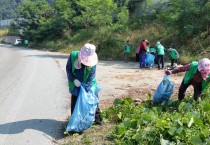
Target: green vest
160	49
152	49
74	57
173	54
25	42
127	48
191	72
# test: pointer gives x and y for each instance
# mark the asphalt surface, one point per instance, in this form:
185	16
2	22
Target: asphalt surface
34	97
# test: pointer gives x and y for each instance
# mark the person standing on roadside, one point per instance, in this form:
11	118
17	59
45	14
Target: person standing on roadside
197	74
174	55
81	68
127	51
142	50
160	54
26	43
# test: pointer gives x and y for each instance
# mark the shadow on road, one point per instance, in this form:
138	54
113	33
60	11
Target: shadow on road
53	128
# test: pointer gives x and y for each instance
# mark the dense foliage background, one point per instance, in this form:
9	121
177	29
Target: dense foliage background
63	25
8	9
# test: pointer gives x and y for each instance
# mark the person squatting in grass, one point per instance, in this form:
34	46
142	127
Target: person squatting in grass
174	55
81	68
197	74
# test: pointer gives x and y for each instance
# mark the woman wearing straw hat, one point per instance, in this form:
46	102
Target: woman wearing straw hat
197	74
81	68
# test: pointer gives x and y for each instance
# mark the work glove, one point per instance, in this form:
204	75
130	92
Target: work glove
77	83
167	72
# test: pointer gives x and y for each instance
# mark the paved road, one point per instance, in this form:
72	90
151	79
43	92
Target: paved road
34	97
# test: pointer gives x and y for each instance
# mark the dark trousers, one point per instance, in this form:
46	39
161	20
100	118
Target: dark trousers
172	62
160	60
97	114
143	63
183	87
137	57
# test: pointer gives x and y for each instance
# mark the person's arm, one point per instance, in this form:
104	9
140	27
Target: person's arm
70	75
90	79
138	50
177	54
181	69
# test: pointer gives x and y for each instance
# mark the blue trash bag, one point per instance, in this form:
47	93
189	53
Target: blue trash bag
84	111
150	59
164	90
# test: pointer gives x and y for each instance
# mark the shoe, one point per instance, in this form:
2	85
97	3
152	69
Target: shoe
72	132
98	123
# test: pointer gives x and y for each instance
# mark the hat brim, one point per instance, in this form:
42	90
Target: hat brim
89	60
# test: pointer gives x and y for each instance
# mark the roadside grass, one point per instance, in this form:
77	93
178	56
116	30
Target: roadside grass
110	45
96	135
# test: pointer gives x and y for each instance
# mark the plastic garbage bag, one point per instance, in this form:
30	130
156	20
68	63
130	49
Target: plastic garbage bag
84	111
164	90
150	60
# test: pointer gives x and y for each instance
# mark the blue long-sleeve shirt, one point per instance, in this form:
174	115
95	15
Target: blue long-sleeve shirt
79	76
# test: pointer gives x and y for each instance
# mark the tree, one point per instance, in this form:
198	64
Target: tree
189	17
58	24
30	14
95	13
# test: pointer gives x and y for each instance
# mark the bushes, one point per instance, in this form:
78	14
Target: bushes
109	43
3	32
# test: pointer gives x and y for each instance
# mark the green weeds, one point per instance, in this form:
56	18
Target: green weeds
171	122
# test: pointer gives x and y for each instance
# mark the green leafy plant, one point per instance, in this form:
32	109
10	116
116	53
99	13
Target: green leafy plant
171	122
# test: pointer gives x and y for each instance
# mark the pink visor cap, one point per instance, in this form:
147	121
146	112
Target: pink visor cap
87	55
204	67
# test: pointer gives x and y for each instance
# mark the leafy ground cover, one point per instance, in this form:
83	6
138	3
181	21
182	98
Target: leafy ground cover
171	122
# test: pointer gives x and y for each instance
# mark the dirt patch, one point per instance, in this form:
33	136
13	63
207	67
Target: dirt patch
118	79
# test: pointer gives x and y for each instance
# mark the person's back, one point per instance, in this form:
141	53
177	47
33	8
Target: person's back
160	49
174	54
143	48
127	48
152	50
160	54
26	42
